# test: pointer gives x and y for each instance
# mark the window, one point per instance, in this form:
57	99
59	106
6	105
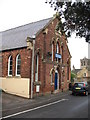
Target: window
62	54
57	50
84	63
81	63
52	50
78	84
84	74
36	68
10	66
18	65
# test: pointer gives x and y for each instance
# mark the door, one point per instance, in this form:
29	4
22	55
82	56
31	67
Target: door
56	79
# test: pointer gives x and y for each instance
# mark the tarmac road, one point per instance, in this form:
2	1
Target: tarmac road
61	105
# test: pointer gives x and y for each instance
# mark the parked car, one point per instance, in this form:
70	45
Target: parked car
80	88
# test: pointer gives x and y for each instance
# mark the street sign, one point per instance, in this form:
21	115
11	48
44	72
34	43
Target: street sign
57	55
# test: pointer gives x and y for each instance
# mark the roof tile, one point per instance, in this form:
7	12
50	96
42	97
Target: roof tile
16	37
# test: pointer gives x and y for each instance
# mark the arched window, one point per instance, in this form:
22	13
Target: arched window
84	63
18	65
52	50
57	50
10	66
62	54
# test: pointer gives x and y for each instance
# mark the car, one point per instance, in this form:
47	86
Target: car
80	88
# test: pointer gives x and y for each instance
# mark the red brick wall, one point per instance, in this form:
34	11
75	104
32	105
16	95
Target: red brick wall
44	43
25	62
0	63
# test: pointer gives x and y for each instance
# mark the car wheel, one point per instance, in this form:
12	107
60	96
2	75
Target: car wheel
86	93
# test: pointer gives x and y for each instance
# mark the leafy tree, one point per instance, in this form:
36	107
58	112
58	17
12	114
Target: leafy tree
73	76
76	17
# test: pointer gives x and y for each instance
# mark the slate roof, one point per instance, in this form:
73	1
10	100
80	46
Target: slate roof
76	71
16	37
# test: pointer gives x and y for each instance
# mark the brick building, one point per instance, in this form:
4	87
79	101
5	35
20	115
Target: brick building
35	59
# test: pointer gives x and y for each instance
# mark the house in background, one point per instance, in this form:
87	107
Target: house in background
83	74
35	59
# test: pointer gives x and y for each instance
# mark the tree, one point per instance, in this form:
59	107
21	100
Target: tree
73	76
76	17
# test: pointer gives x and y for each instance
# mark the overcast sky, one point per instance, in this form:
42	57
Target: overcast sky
15	13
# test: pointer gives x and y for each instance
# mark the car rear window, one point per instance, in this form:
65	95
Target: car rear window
78	84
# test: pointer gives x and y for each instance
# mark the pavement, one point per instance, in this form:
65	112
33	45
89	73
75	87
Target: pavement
13	102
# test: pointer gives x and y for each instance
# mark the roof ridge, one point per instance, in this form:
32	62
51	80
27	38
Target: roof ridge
17	36
25	25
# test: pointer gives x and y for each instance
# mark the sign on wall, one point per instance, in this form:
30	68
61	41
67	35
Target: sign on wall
37	88
57	55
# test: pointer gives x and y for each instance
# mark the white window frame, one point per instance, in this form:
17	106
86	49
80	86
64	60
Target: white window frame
57	50
16	65
9	65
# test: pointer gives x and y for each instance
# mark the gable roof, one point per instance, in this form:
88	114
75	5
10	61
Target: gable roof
76	71
16	37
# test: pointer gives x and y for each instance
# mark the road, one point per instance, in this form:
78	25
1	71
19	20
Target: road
68	106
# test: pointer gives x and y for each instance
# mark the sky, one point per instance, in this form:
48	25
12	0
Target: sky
14	13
